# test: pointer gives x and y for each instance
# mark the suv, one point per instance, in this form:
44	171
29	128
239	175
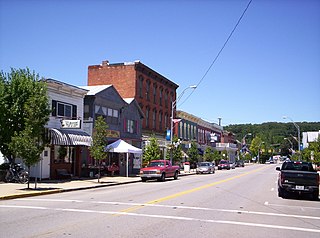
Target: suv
224	164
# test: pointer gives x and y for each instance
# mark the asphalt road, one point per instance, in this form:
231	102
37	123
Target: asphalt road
238	203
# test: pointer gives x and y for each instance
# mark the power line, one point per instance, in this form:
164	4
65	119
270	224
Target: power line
224	45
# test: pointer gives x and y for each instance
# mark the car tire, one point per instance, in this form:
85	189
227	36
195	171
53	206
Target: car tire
315	195
162	178
175	177
143	179
282	193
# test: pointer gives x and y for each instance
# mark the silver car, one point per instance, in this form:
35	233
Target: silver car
232	165
205	167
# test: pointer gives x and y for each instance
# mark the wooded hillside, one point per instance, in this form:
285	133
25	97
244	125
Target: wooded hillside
272	132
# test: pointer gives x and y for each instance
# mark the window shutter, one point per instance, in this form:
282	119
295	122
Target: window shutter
54	108
74	112
124	125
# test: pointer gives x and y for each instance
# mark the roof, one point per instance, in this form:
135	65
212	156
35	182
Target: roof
93	90
58	83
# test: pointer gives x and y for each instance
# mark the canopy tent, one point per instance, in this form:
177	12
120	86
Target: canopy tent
120	146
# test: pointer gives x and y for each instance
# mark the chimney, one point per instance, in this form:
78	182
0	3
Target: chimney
105	62
219	118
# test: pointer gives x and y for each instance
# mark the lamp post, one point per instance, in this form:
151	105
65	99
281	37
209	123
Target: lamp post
173	105
298	128
289	141
243	139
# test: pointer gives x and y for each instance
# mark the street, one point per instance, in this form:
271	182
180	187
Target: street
242	202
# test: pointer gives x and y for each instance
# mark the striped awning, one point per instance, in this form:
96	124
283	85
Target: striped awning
69	137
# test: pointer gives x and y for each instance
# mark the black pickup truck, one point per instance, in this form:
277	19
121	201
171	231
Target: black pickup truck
298	177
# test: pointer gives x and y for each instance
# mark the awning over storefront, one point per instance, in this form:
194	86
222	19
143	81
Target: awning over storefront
69	137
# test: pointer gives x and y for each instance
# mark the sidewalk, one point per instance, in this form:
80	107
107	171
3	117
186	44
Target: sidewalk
16	190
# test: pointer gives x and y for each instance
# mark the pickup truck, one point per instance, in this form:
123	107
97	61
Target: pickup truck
160	170
298	177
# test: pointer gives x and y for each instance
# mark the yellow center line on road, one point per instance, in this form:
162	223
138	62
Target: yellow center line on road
134	208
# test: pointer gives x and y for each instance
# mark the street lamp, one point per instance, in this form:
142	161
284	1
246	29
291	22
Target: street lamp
298	128
243	140
173	105
289	141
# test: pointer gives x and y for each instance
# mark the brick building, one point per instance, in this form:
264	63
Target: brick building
154	93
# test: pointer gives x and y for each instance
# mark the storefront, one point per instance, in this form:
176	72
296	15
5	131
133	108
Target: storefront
69	152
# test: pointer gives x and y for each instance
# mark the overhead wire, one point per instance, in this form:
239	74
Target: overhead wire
220	51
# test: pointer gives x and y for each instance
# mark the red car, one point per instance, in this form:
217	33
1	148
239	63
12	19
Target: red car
224	164
160	170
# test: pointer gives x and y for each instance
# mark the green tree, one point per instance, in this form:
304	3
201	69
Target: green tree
255	146
23	103
208	154
312	152
151	151
193	153
99	142
216	157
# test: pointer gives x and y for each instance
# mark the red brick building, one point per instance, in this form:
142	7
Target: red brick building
154	92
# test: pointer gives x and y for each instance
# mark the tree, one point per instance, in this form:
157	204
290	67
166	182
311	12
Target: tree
216	157
312	152
256	146
151	151
99	142
23	103
175	150
208	154
25	106
193	153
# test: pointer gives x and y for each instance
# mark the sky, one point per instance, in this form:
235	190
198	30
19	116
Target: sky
269	68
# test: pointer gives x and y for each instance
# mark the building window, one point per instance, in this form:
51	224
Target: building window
160	121
111	115
154	93
171	99
63	154
160	96
154	116
166	98
141	86
148	90
62	109
147	117
131	126
166	120
86	112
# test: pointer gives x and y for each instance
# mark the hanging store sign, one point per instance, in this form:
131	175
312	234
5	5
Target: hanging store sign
71	124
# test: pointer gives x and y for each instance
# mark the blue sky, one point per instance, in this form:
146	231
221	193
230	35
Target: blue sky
269	68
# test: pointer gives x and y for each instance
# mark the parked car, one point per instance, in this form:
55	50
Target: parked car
224	164
298	177
239	163
232	165
205	167
160	170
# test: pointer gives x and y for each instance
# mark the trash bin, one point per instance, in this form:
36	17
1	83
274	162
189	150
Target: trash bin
186	167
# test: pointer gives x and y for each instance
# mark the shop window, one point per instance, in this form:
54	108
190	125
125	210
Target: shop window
63	154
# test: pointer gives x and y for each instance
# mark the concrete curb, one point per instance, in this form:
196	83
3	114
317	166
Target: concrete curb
60	190
34	193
